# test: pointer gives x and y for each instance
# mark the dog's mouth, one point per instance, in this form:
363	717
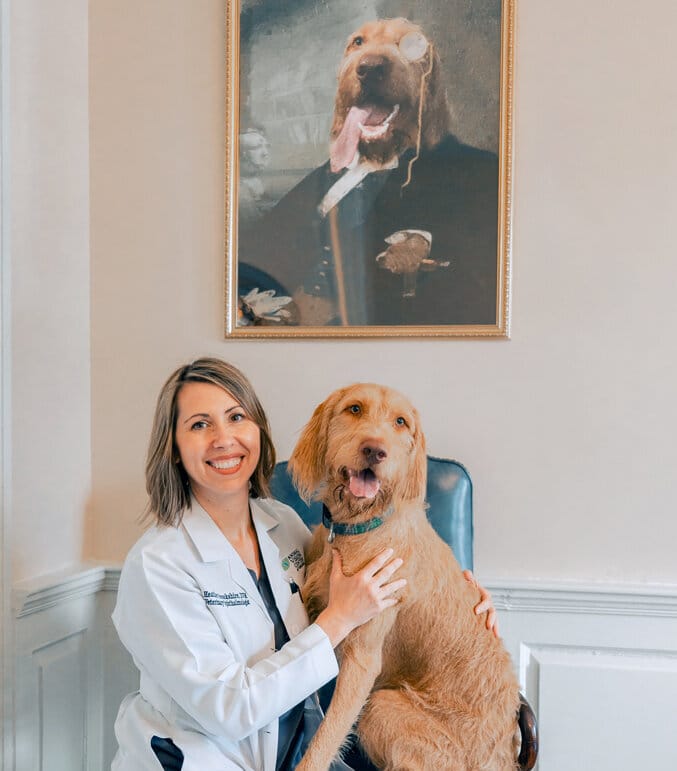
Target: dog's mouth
367	123
375	121
362	483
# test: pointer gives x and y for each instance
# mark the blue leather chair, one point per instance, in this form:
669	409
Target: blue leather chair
449	498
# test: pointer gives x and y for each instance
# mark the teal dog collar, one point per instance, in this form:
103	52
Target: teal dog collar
338	528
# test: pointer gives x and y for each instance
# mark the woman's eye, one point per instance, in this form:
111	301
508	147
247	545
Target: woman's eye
237	417
400	421
198	425
355	409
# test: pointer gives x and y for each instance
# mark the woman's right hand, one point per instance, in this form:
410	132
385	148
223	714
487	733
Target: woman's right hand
356	599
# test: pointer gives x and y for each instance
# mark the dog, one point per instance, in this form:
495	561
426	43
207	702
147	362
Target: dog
394	166
430	688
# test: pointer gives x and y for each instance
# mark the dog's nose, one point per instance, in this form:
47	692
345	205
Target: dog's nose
372	67
373	452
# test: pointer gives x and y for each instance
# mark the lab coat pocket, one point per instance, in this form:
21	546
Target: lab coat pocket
296	619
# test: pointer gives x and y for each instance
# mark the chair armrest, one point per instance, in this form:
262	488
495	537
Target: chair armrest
526	720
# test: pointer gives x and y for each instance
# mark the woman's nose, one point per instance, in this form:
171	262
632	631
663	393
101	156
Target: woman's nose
222	436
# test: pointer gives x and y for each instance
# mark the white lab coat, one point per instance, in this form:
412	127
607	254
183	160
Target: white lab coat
191	616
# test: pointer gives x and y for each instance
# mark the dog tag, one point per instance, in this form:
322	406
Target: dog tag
331	536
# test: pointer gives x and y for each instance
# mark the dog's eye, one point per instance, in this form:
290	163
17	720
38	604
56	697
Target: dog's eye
400	421
355	409
357	41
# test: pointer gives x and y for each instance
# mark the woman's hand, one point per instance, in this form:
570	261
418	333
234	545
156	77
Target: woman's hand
485	605
356	599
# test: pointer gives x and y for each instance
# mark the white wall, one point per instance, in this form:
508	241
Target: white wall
567	429
48	192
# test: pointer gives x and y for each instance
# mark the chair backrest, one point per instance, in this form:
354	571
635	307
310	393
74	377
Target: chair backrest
449	498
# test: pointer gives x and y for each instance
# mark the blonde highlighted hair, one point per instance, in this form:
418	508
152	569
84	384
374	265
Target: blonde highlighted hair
167	483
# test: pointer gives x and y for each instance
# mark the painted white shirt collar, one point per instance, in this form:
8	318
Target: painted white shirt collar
356	172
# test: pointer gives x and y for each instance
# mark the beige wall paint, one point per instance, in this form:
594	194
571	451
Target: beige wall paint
567	429
48	202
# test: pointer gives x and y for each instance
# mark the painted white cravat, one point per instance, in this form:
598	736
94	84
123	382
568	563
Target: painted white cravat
356	172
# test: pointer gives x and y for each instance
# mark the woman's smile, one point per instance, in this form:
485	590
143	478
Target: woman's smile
226	465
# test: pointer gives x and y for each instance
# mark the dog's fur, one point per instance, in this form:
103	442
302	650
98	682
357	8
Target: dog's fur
374	71
432	688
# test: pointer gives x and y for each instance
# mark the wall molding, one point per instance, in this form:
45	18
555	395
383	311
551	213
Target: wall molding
38	594
522	595
655	600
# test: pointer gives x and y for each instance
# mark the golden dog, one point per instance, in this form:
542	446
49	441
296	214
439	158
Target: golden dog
431	687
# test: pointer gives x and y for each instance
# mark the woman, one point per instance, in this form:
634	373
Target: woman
204	605
210	596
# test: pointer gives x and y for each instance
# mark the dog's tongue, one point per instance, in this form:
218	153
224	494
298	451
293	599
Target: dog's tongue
344	147
364	484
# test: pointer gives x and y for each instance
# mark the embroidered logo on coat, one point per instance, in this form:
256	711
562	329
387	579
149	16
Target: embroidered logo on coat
226	600
295	558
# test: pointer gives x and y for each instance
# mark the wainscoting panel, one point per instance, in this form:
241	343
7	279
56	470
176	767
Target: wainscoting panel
599	667
59	683
60	668
613	708
597	663
120	676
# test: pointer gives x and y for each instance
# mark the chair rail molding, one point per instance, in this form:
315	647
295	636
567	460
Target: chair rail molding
584	597
39	594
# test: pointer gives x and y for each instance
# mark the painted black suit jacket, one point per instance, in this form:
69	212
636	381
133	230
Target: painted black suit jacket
453	194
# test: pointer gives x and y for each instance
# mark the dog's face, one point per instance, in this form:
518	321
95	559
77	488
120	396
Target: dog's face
363	448
386	66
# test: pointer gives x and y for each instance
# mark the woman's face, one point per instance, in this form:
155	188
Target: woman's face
218	443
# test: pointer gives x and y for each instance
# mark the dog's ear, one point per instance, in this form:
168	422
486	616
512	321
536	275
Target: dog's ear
436	117
341	109
308	458
414	488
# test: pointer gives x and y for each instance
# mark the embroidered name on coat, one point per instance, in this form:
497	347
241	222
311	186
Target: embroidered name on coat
226	600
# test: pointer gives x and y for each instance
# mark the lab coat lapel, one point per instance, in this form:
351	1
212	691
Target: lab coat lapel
266	525
213	546
242	577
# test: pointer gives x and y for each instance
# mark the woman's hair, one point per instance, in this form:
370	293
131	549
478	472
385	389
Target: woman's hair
167	483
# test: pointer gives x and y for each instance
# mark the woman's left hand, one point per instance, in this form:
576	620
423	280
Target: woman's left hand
485	605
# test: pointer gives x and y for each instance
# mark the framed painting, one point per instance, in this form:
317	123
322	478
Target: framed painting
368	168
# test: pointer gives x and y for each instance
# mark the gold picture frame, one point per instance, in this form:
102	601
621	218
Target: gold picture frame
305	258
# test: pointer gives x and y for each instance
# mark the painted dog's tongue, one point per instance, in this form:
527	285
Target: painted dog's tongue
363	484
344	147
